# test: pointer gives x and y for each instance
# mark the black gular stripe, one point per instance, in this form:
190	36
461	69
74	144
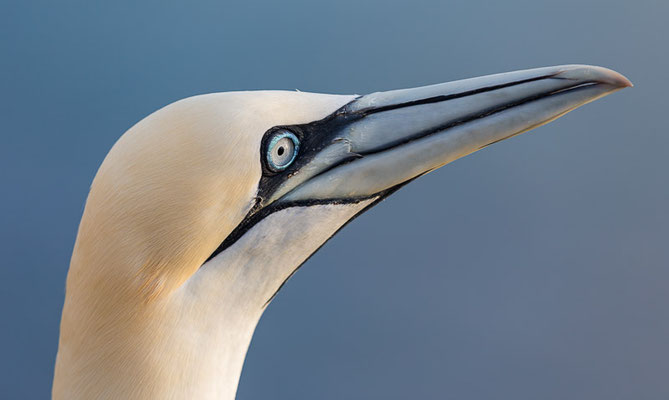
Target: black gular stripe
253	218
315	136
381	197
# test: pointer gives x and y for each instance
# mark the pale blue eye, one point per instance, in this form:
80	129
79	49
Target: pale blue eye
282	150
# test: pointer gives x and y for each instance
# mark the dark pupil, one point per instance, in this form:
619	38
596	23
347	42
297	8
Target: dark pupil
280	151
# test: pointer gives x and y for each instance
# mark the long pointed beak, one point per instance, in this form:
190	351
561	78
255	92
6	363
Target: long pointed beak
385	139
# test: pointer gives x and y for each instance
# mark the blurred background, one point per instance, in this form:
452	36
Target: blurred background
537	268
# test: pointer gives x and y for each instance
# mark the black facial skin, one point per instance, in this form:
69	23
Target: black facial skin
313	137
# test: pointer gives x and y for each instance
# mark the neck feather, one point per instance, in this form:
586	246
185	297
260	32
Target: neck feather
191	343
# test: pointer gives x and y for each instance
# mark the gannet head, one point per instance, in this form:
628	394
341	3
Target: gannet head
202	210
175	186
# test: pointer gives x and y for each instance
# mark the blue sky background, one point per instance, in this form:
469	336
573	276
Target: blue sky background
537	268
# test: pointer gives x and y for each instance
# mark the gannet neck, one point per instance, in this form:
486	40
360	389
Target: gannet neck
191	344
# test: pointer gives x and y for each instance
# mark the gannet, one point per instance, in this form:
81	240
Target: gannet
201	212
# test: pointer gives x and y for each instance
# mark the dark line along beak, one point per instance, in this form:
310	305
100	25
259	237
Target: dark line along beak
389	138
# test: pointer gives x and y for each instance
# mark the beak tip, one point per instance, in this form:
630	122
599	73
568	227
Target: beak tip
619	80
596	74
